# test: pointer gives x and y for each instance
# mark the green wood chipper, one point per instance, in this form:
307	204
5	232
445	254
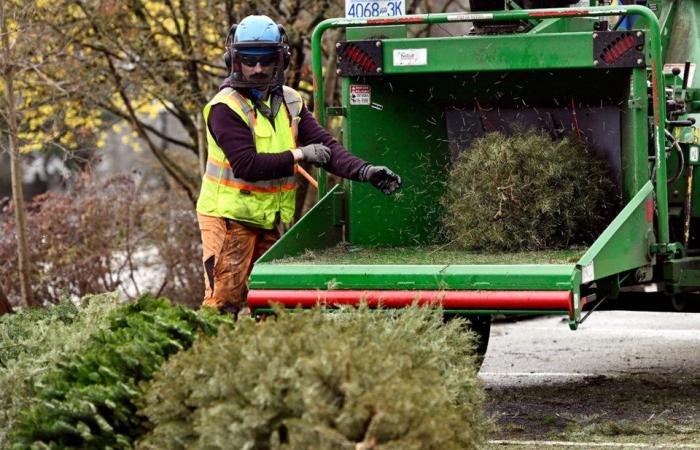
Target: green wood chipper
622	77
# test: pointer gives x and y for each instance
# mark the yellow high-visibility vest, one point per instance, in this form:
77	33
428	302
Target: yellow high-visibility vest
253	202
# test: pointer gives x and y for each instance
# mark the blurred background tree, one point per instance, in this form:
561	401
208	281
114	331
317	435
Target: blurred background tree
126	60
18	57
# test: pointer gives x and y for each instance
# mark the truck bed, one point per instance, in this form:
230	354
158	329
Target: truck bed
430	255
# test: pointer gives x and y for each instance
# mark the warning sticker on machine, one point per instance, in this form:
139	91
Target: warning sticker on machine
360	94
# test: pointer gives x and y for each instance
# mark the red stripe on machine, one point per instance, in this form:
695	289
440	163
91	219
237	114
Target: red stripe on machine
557	13
397	20
550	300
655	97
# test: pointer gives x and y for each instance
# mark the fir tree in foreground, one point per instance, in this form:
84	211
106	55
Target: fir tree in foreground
358	379
35	339
88	400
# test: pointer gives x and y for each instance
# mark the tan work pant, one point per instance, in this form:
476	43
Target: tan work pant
229	251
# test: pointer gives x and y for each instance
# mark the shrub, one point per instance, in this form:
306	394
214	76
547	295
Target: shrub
105	235
527	192
371	380
176	239
87	401
33	340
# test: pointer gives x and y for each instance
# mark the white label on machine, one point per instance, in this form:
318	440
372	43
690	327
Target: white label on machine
668	69
587	273
360	94
469	17
374	8
694	154
411	57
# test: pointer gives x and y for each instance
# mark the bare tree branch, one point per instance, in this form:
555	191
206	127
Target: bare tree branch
5	307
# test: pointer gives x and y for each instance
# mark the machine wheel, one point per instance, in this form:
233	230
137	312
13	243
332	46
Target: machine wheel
678	302
481	326
685	302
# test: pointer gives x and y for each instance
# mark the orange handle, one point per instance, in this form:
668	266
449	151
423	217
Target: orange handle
308	177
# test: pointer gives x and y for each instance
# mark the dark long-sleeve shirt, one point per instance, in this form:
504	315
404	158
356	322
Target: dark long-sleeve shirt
236	140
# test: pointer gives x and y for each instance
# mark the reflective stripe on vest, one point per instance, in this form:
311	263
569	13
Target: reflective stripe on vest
245	107
222	173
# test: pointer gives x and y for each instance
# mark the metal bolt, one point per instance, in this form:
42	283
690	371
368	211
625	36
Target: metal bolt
379	70
639	34
595	62
337	45
595	35
639	60
378	43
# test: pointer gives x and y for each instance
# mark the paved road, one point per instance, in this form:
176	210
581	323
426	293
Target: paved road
543	350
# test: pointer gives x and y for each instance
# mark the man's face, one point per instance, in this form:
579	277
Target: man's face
258	68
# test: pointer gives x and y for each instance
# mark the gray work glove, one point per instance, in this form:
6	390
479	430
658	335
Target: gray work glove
380	177
317	154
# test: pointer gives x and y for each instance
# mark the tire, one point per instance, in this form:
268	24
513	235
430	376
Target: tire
688	302
678	303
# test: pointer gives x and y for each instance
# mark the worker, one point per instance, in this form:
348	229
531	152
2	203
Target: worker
257	131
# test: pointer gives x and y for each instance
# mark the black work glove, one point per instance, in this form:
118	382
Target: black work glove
380	177
317	154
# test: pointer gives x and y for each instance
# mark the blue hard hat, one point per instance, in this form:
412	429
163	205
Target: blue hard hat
257	35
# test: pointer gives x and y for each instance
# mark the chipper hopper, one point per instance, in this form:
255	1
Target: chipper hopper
622	78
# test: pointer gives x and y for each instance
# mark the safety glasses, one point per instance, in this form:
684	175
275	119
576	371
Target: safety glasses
253	60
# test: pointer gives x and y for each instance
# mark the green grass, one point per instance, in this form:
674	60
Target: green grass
345	254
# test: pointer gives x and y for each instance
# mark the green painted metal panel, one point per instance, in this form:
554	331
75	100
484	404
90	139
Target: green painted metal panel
561	26
635	135
681	274
386	32
503	52
428	277
624	245
408	135
321	227
550	26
